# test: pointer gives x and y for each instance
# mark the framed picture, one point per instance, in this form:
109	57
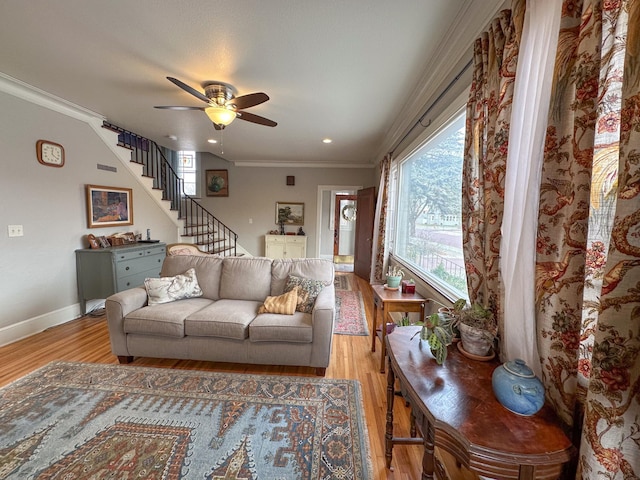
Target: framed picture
109	206
217	183
103	241
290	213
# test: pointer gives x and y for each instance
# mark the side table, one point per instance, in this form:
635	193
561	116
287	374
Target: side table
391	301
455	410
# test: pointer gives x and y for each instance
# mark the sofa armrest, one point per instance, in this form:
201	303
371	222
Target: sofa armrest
322	318
118	306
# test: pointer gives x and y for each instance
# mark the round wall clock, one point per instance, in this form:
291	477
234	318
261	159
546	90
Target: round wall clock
49	153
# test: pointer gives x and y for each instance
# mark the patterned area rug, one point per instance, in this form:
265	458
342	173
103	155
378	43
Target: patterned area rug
350	314
81	421
341	282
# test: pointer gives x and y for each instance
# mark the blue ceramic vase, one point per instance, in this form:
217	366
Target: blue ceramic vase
517	388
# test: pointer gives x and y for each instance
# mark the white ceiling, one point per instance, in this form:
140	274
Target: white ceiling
338	69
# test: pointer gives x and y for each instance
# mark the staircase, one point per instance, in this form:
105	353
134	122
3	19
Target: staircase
200	226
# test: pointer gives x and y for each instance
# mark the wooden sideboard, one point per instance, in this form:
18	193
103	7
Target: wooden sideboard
105	271
455	410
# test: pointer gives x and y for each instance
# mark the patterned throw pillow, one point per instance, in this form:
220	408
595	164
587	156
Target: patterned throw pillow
284	304
309	290
169	289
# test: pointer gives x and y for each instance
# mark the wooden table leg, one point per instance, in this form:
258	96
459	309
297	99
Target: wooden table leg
383	346
428	459
375	326
388	436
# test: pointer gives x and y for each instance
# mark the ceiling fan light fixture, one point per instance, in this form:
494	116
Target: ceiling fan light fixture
220	115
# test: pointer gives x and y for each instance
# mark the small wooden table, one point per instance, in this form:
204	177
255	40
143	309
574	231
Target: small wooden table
455	409
391	301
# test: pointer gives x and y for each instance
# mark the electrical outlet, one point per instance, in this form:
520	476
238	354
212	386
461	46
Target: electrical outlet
15	230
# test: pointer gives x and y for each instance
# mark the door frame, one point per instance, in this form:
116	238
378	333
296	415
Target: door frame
333	190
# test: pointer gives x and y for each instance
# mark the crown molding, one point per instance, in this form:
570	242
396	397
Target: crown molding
34	95
302	165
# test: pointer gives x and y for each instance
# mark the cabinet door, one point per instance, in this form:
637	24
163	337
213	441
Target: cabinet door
275	246
296	248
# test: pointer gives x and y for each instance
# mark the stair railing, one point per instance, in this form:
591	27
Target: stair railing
208	232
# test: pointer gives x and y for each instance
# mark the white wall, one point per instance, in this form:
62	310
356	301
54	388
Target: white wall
38	272
254	191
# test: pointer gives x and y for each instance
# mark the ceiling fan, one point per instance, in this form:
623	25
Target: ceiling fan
222	104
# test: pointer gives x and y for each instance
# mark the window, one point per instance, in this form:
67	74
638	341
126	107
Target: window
188	172
429	222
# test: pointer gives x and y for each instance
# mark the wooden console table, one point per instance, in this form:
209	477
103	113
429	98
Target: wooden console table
455	410
391	301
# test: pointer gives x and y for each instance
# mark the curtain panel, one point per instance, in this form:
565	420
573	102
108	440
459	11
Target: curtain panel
588	242
485	154
379	253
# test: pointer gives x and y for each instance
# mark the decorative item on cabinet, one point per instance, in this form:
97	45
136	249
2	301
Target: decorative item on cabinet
517	388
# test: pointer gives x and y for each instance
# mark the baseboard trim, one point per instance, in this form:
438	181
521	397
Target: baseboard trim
31	326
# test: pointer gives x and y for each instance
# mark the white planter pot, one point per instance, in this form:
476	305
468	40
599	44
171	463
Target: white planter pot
475	341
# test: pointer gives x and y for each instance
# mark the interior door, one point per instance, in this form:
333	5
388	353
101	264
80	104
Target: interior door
366	209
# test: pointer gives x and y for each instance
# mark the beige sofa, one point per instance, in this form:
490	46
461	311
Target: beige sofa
223	324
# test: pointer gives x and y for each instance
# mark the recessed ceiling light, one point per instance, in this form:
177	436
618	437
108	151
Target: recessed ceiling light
172	137
326	140
211	140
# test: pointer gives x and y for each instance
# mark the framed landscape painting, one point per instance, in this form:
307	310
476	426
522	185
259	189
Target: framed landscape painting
290	213
109	206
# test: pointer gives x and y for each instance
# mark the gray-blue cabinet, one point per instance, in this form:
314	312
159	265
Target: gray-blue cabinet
105	271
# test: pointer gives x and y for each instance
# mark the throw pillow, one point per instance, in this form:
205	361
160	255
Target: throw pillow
284	304
309	290
169	289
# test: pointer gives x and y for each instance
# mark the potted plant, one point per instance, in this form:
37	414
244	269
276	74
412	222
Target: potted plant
478	329
437	331
394	276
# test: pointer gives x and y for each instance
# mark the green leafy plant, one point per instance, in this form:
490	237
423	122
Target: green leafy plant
437	331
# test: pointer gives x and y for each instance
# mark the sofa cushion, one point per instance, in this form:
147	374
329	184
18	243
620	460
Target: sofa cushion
284	304
166	319
170	289
208	268
246	278
224	318
308	290
271	327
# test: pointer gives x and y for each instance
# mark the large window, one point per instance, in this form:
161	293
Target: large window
428	234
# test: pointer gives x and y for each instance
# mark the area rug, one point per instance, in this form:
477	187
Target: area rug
80	421
350	314
341	282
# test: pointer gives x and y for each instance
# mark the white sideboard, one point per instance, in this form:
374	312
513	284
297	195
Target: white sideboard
285	246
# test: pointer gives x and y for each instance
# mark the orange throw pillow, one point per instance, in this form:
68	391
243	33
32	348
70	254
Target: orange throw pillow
284	304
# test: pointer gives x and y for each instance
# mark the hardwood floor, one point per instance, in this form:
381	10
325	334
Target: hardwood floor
87	340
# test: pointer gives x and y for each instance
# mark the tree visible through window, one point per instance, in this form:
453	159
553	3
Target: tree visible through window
429	227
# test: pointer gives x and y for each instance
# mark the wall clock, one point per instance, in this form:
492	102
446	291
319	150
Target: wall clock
49	153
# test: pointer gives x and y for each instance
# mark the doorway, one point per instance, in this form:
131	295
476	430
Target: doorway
328	221
344	231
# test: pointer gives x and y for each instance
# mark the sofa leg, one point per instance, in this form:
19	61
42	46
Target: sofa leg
321	372
124	360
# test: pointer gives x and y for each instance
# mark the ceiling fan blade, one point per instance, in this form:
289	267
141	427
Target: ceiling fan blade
189	89
249	100
172	107
250	117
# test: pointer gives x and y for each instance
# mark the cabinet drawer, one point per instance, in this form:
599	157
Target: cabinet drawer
137	280
158	249
122	256
276	239
296	240
137	265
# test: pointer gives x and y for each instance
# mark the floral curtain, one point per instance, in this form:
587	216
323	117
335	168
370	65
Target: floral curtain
588	243
379	253
485	155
